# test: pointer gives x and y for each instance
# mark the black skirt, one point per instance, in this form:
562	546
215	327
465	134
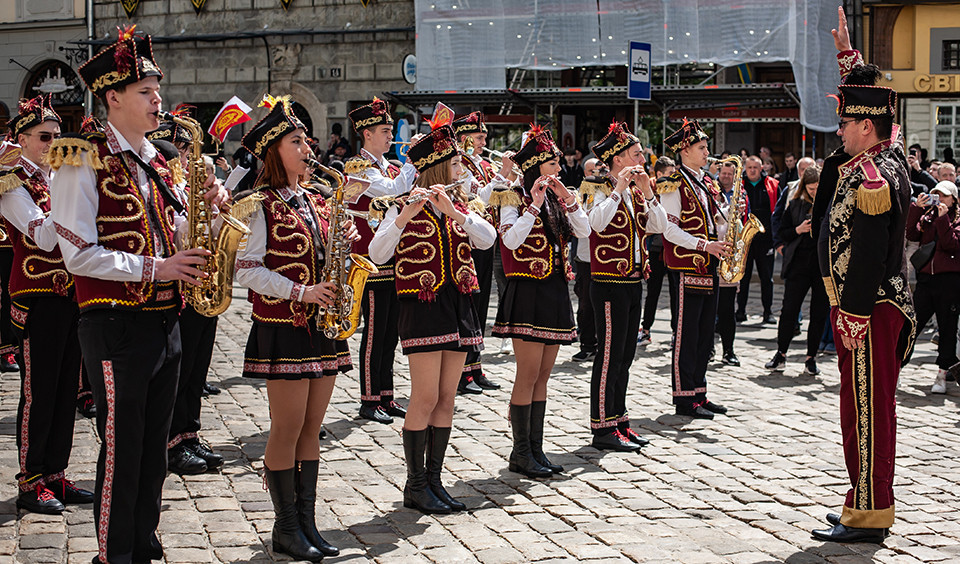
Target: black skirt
537	310
448	323
284	352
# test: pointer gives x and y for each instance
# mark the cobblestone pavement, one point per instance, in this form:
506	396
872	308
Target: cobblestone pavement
744	488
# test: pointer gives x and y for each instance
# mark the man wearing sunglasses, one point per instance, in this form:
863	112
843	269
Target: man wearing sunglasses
44	319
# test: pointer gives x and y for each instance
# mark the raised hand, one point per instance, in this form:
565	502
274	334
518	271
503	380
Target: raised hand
841	36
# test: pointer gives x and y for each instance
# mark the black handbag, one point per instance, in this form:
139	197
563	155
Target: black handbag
922	256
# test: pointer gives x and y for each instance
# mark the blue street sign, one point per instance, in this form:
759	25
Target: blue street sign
639	69
402	136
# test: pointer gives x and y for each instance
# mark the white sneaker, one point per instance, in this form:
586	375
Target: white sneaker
940	383
506	346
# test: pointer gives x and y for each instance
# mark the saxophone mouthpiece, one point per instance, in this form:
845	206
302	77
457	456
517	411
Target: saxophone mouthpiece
312	162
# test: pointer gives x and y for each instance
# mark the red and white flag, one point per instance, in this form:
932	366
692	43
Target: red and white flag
234	112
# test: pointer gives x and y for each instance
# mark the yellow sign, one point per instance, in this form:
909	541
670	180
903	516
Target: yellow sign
937	83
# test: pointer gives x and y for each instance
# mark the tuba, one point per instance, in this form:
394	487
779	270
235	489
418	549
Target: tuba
739	232
212	297
341	319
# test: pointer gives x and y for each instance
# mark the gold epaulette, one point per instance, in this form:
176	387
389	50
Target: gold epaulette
356	165
589	189
379	206
668	184
243	209
476	206
176	171
74	151
873	194
10	179
508	197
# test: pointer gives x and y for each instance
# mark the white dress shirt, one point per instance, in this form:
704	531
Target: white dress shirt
17	207
251	271
672	205
75	203
514	228
380	182
605	207
482	235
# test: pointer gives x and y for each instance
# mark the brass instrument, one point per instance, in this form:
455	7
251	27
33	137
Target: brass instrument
341	319
498	165
212	297
739	232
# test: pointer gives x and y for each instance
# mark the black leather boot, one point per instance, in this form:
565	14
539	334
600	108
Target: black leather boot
287	536
537	411
437	439
417	494
521	459
307	471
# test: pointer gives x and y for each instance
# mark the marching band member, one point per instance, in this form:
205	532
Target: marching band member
435	282
537	222
378	343
280	261
110	197
472	126
859	219
185	453
624	209
44	318
692	202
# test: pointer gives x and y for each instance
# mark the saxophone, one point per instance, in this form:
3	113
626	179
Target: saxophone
212	297
739	232
341	319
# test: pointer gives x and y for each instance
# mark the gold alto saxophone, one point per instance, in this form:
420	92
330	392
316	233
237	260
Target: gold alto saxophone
212	297
341	319
739	232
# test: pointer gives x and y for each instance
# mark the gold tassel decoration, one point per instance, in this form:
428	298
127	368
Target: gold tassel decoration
508	197
176	171
590	189
476	206
873	201
9	180
356	165
246	207
73	151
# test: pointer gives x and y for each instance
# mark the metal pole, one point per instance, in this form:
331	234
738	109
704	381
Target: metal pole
636	116
88	96
803	147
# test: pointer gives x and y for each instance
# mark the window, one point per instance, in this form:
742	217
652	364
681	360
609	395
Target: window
947	129
951	54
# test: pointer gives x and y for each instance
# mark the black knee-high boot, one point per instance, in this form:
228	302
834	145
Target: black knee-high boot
437	440
307	471
537	411
521	459
416	494
287	536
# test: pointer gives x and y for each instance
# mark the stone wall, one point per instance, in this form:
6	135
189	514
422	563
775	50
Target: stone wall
327	73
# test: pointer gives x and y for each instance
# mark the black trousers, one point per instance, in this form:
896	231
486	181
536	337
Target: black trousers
49	365
696	316
483	262
378	344
198	334
586	324
498	272
761	255
795	289
939	295
658	270
133	359
84	391
8	341
726	319
617	316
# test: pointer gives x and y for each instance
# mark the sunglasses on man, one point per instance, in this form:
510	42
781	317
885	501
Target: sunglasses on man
45	136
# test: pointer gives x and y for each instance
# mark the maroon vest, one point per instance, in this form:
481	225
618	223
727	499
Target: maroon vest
535	257
291	252
362	246
693	219
613	251
433	251
36	272
123	225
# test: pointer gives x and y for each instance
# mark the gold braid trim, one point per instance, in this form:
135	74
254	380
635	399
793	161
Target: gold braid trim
500	198
666	186
590	189
176	171
9	180
74	152
243	209
355	165
873	201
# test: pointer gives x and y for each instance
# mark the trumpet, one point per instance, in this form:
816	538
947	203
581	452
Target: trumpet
499	155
